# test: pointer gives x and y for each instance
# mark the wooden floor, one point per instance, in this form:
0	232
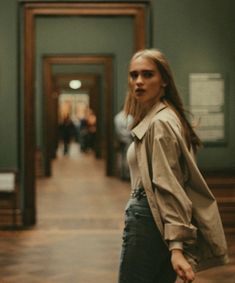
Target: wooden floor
78	235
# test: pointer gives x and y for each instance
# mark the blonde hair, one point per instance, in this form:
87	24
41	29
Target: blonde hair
171	97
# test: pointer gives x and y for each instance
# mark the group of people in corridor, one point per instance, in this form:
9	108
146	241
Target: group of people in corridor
82	130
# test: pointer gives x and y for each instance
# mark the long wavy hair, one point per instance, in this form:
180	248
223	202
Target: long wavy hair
171	97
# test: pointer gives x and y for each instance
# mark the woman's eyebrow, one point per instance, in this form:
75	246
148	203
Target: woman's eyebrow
148	70
140	71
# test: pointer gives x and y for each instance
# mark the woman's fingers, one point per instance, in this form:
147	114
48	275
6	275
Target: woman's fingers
189	274
182	267
180	273
186	273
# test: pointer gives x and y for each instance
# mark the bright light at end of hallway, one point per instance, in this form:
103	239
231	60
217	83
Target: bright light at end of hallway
75	84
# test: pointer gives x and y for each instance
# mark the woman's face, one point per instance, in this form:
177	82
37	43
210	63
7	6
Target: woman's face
145	81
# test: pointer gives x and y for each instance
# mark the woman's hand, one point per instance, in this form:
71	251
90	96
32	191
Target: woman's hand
181	266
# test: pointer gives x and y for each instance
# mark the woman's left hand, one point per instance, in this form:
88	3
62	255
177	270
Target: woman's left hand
182	266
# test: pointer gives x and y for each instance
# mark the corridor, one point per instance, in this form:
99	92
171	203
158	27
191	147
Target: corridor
78	235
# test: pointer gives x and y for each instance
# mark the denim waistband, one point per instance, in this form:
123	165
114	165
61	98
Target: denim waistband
134	205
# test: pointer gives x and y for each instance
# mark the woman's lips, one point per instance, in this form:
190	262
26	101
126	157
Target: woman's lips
139	91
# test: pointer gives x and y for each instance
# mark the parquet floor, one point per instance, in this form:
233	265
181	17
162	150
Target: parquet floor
77	238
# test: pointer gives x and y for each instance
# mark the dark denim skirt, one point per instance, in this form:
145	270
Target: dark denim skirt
144	257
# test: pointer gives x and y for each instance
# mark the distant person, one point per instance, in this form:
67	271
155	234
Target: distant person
83	134
123	136
77	122
67	129
92	128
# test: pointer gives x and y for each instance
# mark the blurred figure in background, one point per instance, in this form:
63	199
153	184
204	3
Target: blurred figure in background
124	139
91	126
83	134
66	129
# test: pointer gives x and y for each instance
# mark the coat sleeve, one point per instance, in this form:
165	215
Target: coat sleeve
167	177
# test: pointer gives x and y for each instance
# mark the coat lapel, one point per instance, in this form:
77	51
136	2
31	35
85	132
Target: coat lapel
140	130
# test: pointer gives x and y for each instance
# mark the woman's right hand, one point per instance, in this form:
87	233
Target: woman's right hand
182	266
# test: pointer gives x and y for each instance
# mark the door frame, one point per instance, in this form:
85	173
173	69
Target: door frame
28	11
103	60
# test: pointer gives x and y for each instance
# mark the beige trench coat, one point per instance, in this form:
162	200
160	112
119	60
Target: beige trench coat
183	207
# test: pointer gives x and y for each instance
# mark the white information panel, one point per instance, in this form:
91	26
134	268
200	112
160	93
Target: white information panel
207	101
7	182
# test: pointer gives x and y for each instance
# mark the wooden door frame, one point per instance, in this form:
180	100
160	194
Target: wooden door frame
28	13
103	60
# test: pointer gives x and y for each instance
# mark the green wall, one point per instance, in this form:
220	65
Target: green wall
196	36
199	37
8	85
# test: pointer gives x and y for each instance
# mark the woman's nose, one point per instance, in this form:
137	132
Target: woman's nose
139	80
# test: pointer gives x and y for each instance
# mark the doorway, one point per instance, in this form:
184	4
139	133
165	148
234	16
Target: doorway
138	12
106	61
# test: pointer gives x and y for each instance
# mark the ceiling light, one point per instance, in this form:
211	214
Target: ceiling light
75	84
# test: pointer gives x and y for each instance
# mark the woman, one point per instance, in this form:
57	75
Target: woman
172	223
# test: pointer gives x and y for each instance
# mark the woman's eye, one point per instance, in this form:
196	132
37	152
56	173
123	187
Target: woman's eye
133	75
144	74
147	74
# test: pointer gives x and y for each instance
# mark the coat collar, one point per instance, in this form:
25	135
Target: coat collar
140	130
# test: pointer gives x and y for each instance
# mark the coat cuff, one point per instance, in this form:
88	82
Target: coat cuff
175	245
181	233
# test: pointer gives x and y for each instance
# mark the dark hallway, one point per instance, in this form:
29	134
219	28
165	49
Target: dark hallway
78	235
